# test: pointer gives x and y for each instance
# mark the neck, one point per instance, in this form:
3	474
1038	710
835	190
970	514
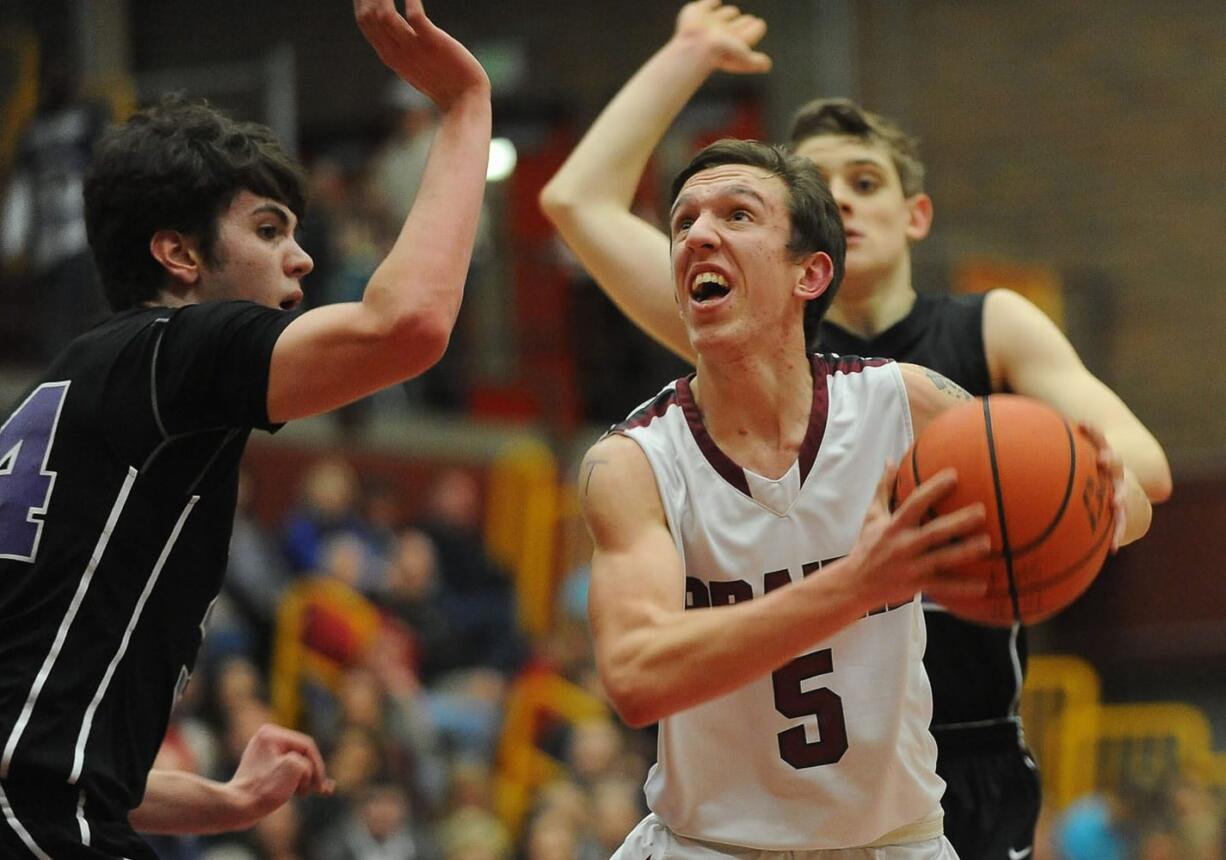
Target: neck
757	408
868	306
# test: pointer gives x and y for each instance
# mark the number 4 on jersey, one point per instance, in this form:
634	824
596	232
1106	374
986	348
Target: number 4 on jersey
25	482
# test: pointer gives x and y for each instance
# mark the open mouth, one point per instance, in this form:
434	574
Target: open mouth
708	287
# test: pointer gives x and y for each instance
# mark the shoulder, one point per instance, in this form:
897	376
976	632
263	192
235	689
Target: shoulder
930	393
647	412
617	487
1018	334
1010	314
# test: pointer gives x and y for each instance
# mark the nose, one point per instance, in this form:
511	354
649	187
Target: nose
702	233
842	194
298	263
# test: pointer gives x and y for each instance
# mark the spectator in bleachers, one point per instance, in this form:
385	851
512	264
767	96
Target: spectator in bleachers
552	836
465	694
477	592
245	614
617	806
380	826
42	213
395	712
595	751
474	834
328	507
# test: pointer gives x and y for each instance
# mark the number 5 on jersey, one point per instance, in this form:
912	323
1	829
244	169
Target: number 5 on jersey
25	481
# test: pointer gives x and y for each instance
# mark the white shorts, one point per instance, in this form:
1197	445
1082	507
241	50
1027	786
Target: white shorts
652	840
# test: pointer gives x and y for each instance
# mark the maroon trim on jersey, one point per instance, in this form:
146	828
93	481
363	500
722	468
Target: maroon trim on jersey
825	366
720	462
650	412
818	415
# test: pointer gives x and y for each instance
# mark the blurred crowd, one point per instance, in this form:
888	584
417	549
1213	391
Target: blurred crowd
1174	818
395	644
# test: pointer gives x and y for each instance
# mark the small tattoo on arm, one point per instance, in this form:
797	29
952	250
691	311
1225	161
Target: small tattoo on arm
591	467
947	385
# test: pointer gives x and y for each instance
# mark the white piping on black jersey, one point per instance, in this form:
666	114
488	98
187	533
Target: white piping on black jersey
82	824
153	377
1016	660
78	756
19	829
62	633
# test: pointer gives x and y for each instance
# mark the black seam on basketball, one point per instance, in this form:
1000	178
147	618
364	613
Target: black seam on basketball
1068	495
1005	550
1058	577
915	475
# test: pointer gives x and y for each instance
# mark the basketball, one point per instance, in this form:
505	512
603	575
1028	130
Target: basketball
1049	511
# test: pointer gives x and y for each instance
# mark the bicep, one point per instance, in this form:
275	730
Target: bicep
333	355
637	576
629	259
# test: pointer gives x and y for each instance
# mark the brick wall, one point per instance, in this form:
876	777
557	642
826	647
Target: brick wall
1088	137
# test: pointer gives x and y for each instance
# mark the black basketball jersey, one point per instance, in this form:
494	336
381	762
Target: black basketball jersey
976	671
118	483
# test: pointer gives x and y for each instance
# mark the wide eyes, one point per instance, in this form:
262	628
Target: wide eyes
685	222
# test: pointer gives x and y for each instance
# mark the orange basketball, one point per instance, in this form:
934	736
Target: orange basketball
1049	511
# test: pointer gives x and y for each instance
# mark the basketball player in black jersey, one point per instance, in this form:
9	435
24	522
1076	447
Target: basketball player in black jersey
118	468
996	342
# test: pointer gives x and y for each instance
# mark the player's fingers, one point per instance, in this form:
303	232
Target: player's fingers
951	556
287	741
926	494
963	522
295	770
726	13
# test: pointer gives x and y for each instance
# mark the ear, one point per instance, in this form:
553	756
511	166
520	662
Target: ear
178	255
815	276
919	220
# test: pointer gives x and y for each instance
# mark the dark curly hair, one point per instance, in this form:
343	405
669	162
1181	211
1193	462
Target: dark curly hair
816	222
177	165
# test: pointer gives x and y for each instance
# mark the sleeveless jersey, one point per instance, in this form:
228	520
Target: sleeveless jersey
832	750
118	481
976	672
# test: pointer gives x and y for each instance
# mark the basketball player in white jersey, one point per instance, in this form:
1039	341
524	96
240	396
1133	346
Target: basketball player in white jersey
741	596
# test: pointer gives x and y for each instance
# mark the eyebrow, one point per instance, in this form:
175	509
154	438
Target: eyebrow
865	162
742	190
273	209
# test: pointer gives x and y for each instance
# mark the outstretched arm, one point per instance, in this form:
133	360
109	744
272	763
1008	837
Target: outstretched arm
277	764
1028	354
656	658
590	197
335	354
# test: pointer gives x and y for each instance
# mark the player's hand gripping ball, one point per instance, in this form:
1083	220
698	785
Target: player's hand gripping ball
1049	509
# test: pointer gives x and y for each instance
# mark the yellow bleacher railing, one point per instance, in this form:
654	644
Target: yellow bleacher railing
536	697
1083	745
524	500
1060	702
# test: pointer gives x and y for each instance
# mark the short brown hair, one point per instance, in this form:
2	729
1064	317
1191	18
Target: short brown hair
845	118
816	222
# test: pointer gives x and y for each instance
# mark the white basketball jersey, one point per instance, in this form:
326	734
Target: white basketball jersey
833	749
